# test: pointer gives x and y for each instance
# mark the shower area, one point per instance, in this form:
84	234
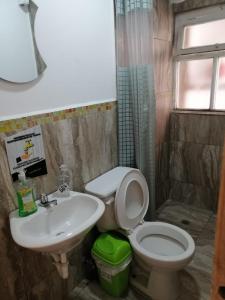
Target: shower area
193	171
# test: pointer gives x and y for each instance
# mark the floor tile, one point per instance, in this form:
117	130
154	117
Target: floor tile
92	291
191	219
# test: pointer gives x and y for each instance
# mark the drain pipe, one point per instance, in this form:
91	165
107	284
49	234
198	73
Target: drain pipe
61	263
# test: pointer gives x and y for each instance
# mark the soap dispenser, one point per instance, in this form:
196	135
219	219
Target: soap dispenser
25	195
64	182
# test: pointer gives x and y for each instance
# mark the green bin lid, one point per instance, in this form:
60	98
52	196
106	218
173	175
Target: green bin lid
111	248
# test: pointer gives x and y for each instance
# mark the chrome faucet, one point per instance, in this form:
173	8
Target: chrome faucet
44	202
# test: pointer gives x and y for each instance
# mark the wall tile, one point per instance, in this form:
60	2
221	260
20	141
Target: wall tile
51	288
195	163
193	4
27	122
94	142
197	128
42	264
163	20
11	274
198	196
162	192
7	192
195	158
162	173
163	66
163	110
162	166
163	28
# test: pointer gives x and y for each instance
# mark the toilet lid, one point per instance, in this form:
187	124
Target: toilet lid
131	201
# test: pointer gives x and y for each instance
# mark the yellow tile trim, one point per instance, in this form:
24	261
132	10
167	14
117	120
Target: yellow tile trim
27	122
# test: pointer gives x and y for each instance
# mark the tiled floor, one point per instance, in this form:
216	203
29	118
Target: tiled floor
92	291
196	278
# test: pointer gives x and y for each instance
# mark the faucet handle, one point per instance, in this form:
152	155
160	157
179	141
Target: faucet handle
44	198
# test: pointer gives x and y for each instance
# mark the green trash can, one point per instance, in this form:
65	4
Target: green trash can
112	255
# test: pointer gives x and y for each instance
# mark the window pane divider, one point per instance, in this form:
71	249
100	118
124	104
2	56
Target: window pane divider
195	17
201	15
176	84
203	55
198	49
215	74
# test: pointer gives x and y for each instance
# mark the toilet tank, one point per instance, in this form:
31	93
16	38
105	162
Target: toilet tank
105	187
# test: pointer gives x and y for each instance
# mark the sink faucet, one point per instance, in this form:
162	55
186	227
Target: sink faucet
44	202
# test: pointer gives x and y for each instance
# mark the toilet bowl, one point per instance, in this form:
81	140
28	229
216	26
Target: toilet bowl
164	249
161	249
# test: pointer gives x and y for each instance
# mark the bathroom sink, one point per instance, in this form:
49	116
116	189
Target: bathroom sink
57	229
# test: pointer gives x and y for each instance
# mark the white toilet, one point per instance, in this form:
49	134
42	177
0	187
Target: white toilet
160	248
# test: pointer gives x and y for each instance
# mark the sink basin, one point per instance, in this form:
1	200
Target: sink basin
59	228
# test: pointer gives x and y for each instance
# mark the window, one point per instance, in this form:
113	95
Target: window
200	59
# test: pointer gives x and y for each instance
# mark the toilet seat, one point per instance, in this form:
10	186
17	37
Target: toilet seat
131	200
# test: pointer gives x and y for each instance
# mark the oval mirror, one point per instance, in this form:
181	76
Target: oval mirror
20	60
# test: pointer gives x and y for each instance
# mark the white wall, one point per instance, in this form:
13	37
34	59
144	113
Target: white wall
76	40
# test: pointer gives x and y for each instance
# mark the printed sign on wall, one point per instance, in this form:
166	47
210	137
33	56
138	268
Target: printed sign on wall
25	151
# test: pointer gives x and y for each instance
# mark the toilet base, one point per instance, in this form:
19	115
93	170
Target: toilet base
162	285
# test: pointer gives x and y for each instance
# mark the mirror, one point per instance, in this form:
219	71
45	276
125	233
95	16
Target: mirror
20	60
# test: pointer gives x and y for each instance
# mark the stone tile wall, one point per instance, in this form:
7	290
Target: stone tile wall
87	143
196	143
193	4
163	35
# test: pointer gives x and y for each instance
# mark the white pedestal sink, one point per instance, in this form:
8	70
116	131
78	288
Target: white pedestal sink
57	229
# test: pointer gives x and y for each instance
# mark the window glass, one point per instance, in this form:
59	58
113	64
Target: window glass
209	33
220	91
194	84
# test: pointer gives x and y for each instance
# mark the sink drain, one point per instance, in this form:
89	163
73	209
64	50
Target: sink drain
59	233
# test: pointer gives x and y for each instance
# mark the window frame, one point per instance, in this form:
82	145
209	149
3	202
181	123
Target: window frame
215	51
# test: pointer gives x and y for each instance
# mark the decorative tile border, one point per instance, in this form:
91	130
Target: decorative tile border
27	122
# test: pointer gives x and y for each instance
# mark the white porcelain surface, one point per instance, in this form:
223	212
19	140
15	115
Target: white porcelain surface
107	184
173	247
162	249
131	200
57	229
